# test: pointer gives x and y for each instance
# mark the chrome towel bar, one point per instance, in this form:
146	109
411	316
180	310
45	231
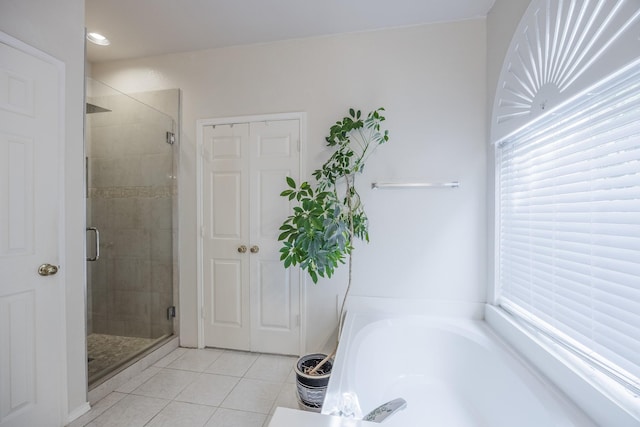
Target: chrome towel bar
388	185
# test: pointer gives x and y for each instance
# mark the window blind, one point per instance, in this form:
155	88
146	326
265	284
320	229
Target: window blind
569	225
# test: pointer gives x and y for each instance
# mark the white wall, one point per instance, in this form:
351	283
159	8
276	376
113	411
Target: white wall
57	28
425	244
502	22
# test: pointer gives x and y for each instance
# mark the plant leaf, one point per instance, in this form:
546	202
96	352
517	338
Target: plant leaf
291	182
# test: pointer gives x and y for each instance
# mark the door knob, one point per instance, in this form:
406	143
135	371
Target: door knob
255	249
242	249
47	270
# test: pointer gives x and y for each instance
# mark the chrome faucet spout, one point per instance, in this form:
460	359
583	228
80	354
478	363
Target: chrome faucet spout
385	410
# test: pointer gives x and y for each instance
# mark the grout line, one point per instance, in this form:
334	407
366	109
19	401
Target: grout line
197	375
211	416
158	413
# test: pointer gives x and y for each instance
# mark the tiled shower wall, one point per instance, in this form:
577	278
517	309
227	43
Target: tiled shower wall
131	188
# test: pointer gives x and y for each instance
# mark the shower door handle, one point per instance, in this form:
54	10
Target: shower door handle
97	240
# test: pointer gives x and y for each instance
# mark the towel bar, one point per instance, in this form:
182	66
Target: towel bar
385	185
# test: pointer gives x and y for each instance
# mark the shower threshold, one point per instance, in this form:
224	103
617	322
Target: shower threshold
107	355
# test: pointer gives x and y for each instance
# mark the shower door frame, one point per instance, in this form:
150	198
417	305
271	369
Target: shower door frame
171	125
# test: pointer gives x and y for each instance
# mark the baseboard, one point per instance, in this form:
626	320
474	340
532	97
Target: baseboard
78	412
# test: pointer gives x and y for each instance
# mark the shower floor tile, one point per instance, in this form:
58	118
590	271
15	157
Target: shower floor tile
105	351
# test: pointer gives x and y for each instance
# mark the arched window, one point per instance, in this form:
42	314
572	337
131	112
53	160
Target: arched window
566	124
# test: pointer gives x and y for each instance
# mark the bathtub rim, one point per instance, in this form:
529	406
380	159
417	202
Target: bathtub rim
471	327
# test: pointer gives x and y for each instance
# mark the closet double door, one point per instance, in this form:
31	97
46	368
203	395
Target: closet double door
251	302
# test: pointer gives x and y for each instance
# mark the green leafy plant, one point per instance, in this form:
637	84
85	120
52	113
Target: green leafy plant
319	234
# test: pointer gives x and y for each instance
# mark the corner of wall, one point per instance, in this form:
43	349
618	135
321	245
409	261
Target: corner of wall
502	21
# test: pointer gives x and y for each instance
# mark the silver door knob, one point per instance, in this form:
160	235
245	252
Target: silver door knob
242	249
255	249
47	270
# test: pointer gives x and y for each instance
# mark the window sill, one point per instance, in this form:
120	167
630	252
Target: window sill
606	402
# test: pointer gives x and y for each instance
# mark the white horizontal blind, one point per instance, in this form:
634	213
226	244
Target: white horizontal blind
569	224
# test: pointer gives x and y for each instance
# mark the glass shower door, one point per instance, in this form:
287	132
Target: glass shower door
130	237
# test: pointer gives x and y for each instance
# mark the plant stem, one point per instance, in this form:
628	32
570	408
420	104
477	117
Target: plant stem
321	364
344	300
350	210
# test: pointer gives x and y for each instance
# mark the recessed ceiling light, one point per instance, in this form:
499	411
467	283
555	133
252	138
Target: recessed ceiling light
98	38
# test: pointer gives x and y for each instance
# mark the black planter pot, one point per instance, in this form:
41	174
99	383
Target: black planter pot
312	388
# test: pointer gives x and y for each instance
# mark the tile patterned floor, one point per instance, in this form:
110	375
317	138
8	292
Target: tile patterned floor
105	351
200	388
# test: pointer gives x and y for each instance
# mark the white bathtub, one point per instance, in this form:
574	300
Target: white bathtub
452	372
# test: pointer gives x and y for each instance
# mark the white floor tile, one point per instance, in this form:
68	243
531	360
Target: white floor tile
102	405
230	418
181	414
252	395
196	360
131	411
270	367
234	363
196	388
291	378
166	384
162	363
208	389
287	398
138	380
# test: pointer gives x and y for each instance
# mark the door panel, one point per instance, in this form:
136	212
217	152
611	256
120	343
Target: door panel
275	291
31	317
251	301
18	339
275	297
16	188
227	293
226	199
226	228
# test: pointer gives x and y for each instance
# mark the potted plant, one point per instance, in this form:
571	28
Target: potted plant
319	234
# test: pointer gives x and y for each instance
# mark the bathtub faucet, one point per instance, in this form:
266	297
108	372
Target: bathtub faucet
385	410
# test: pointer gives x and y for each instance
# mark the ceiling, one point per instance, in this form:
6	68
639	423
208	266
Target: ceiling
139	28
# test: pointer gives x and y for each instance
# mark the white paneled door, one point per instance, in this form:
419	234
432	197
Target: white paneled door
250	301
32	367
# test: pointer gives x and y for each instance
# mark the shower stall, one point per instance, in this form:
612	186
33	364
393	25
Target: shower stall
131	225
